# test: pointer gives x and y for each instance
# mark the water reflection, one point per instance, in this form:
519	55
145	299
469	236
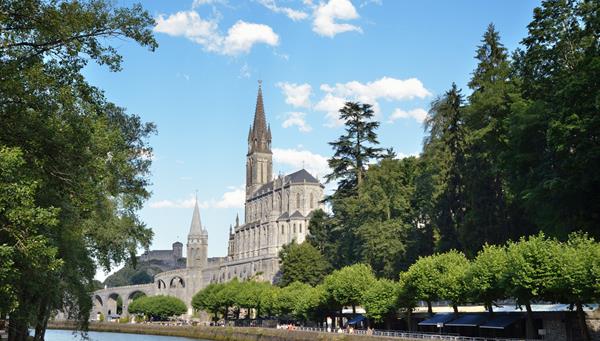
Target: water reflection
67	335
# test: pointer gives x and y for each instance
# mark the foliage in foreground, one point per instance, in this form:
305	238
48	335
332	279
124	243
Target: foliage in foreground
73	166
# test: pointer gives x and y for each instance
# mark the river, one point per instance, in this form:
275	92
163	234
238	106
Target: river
67	335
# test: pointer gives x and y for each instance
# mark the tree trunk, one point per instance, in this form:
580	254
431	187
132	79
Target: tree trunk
409	319
42	320
353	310
429	308
490	308
530	328
17	329
455	308
585	333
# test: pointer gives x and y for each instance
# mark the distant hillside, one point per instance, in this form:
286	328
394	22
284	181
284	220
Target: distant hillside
143	273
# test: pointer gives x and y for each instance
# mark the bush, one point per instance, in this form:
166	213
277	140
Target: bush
158	307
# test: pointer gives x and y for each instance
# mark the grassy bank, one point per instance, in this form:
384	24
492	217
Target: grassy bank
220	333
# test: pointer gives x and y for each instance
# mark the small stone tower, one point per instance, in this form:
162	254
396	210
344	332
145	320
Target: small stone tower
259	160
177	250
197	245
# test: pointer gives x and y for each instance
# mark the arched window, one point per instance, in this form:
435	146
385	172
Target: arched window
294	228
312	200
298	200
282	230
300	228
280	202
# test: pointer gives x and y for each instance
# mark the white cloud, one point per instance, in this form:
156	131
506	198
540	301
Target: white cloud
198	3
331	105
242	35
180	203
326	14
245	71
298	95
400	156
418	114
234	198
387	88
296	119
239	39
297	158
291	13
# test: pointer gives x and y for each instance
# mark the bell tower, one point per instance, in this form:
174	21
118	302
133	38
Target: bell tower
197	243
259	160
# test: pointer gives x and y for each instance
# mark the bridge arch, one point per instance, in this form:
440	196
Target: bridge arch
177	282
114	305
161	284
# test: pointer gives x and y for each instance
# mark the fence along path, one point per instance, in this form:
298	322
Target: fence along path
409	335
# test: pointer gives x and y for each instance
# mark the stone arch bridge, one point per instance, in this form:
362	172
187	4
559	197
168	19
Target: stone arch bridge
169	283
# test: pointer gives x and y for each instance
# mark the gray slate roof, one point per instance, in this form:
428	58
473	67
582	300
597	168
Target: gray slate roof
298	177
297	215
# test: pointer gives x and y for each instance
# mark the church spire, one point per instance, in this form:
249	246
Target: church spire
196	225
259	160
260	121
260	133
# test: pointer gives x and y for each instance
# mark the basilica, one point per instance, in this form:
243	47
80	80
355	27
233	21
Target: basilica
277	212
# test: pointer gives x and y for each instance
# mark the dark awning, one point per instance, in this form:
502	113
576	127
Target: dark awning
357	319
437	318
469	320
501	321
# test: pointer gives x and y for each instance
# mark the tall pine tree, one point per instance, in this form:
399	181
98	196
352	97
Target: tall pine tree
445	145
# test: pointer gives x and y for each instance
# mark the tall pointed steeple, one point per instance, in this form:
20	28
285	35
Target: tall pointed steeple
197	246
196	225
260	132
260	121
259	161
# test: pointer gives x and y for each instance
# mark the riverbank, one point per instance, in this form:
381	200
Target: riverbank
222	333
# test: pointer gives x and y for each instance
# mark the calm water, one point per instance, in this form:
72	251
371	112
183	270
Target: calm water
67	335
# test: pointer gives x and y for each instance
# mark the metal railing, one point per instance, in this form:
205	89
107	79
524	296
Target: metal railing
404	334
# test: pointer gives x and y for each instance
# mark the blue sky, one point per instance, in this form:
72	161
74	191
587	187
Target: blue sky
199	86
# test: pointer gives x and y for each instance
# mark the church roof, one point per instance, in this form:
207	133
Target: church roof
301	176
297	215
298	177
196	225
284	216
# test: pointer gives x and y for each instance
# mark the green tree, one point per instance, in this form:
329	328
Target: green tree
486	276
380	300
554	157
354	150
420	282
325	236
209	300
84	154
489	217
579	275
158	307
302	263
347	285
388	232
445	144
532	272
452	267
289	300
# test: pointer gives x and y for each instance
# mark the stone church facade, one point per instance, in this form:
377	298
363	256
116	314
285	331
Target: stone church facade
277	211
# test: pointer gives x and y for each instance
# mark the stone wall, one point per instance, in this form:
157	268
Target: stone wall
593	323
223	333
